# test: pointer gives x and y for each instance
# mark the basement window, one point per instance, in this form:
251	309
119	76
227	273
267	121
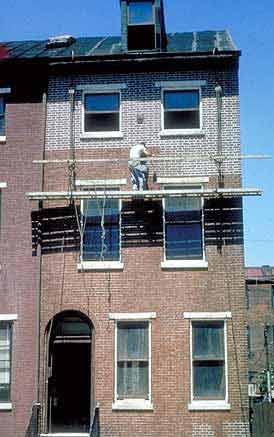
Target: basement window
141	26
181	110
5	361
101	113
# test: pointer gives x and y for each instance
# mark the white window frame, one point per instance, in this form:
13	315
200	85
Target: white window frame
3	92
102	265
7	406
195	85
101	89
217	404
133	404
183	263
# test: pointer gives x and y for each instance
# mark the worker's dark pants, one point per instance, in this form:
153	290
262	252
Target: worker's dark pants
139	177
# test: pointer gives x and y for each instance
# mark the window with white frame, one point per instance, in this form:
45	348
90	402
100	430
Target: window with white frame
132	360
101	224
209	363
182	109
208	360
101	112
183	227
5	360
2	116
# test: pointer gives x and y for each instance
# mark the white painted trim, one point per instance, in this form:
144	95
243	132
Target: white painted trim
66	434
100	265
208	315
8	317
99	182
184	264
189	85
5	406
208	405
3	185
112	134
181	84
132	316
101	87
3	138
132	405
181	133
101	134
183	180
5	90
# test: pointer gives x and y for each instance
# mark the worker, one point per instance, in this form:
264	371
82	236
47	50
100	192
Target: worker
138	169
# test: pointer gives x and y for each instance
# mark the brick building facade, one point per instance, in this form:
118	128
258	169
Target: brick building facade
140	302
260	316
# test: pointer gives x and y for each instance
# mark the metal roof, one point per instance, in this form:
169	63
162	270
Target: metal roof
205	42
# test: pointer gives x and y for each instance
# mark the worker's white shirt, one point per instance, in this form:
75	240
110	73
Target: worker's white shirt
137	151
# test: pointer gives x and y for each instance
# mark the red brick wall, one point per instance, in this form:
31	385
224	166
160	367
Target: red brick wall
143	287
18	280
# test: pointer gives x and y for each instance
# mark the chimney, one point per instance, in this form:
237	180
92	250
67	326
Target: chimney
143	25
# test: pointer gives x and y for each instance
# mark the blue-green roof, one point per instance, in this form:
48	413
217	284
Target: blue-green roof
186	43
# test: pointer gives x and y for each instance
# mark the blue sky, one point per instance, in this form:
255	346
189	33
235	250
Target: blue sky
251	24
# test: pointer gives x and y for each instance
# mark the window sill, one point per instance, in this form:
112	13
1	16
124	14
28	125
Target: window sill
3	139
182	132
100	265
184	264
132	405
208	405
88	135
5	406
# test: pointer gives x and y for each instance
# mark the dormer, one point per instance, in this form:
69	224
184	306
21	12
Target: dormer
143	25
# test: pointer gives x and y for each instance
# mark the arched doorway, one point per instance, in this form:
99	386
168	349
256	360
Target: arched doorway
69	390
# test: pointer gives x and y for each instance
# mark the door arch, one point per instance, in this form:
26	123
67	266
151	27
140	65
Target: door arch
69	385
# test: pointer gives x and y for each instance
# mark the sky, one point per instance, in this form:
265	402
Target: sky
251	24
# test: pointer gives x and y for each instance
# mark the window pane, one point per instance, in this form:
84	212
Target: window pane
102	102
182	120
181	100
132	341
182	204
140	12
209	380
5	352
97	248
184	241
132	380
95	208
2	108
208	340
102	122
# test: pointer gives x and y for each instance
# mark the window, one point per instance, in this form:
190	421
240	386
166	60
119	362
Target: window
2	117
208	355
5	361
101	230
102	112
183	221
208	360
140	12
181	109
141	26
132	360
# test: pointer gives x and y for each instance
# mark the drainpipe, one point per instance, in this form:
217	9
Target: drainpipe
219	162
39	273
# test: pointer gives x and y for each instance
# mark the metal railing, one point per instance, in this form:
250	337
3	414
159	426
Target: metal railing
33	426
95	423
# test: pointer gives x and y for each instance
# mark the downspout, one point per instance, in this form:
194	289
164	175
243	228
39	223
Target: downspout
39	275
71	165
219	161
